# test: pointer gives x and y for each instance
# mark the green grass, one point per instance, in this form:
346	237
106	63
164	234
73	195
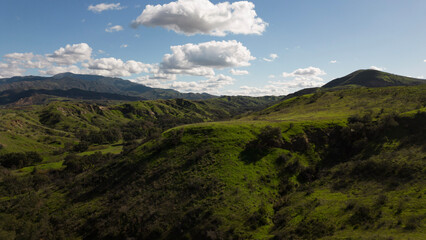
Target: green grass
43	166
104	149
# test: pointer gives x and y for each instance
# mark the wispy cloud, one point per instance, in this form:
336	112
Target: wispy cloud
271	58
238	72
98	8
333	61
115	28
124	45
377	68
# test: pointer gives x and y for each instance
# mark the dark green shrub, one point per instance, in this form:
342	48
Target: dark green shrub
19	159
413	222
81	147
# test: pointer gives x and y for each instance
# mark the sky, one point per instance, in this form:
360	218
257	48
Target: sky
256	47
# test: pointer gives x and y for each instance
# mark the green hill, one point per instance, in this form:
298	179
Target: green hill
373	78
341	164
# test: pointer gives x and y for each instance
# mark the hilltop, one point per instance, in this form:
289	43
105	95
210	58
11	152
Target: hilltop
373	78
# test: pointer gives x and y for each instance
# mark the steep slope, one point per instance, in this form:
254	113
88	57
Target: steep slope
373	78
67	81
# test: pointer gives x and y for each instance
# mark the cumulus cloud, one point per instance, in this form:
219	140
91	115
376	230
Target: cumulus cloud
238	72
377	68
305	72
115	28
124	45
301	78
9	69
210	85
201	59
203	17
267	90
333	61
424	60
116	67
71	54
296	80
76	58
104	6
53	70
271	58
19	56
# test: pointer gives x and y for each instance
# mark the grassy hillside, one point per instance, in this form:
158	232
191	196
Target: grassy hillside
345	164
373	78
339	105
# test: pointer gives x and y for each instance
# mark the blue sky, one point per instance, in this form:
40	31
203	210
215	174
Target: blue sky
257	47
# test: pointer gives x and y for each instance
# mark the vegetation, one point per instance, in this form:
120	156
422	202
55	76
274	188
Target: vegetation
340	164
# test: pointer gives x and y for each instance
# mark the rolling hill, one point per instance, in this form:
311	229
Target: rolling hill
347	163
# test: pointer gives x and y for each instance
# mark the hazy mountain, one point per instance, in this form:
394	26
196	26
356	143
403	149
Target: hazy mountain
95	83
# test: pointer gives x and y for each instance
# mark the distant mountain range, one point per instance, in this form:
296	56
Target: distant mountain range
93	83
36	89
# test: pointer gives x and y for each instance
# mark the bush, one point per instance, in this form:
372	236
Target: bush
81	147
413	222
19	159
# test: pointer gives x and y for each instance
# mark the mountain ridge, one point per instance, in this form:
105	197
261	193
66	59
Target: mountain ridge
95	83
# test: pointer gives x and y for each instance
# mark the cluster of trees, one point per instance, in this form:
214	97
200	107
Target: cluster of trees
19	159
109	135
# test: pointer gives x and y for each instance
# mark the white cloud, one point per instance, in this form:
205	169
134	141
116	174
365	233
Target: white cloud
271	58
76	58
203	17
71	54
333	61
116	67
377	68
201	59
19	56
267	90
115	28
296	80
124	45
210	85
305	72
10	69
238	72
424	60
52	70
104	6
271	76
301	78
